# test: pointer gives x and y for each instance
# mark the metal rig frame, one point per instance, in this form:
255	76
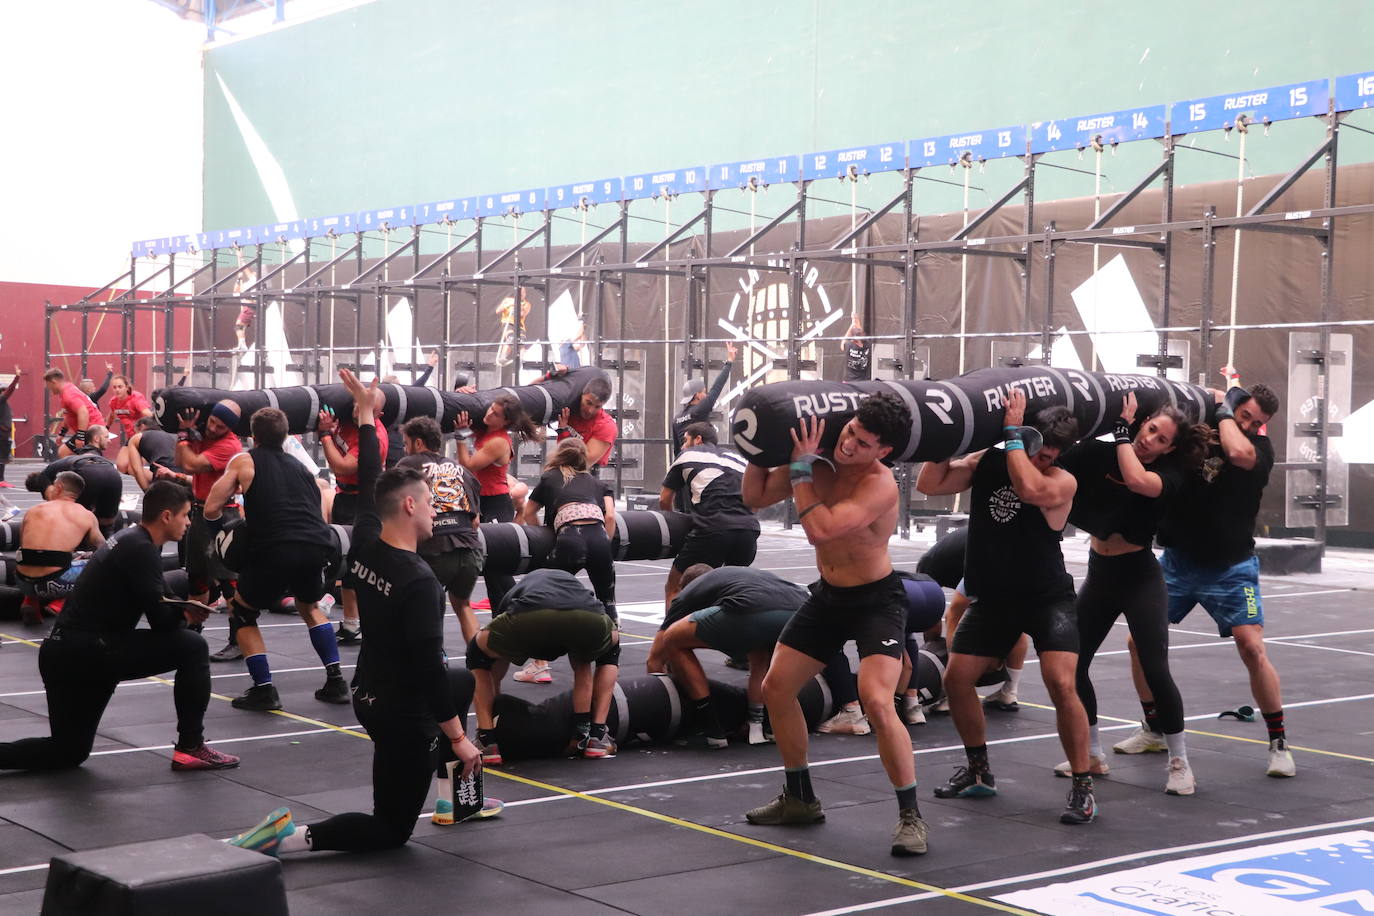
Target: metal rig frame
204	285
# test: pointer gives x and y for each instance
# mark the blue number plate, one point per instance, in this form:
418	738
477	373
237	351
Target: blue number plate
1355	91
583	193
755	172
981	144
1277	103
854	161
1112	127
654	184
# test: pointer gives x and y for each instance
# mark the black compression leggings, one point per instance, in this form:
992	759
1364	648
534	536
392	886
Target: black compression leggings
588	547
497	507
407	752
1130	584
80	673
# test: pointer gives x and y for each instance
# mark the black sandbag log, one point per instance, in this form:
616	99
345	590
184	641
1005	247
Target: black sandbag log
513	549
542	401
954	416
647	709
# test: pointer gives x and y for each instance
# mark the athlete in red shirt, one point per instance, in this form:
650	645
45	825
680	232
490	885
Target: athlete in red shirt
591	422
79	412
126	406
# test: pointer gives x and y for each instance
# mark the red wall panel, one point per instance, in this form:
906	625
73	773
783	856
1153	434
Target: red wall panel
21	343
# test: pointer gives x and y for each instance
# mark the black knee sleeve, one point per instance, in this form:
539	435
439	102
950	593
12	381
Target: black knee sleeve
240	616
477	660
611	656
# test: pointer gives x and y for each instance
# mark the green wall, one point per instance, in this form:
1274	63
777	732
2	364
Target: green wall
400	101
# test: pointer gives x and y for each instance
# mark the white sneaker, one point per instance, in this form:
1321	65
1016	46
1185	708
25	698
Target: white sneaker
1096	766
1142	741
941	708
1281	759
1003	699
534	674
846	722
914	714
1180	777
757	735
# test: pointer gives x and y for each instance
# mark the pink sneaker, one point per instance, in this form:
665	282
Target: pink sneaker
203	758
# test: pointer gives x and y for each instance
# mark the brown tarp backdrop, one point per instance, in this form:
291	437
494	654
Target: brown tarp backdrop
1279	282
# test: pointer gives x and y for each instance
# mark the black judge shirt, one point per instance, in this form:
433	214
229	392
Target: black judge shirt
402	671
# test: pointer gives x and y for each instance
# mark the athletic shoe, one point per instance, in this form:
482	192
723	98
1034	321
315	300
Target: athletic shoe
913	714
230	653
258	698
534	674
335	690
577	744
1141	741
490	808
1096	766
757	734
491	754
1179	780
347	637
5	484
941	708
266	837
443	813
786	810
1003	700
739	664
846	722
1281	763
909	839
203	758
968	783
1081	807
597	748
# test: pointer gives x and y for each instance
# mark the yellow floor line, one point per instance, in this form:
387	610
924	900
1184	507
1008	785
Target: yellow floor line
1240	738
761	844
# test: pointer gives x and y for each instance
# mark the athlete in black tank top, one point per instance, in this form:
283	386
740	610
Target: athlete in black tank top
289	552
1015	578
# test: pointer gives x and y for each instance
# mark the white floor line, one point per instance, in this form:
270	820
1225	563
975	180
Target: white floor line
1320	635
167	747
1100	863
1323	591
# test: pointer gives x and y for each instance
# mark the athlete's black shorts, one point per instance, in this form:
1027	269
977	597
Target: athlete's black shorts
345	508
298	570
728	547
457	569
990	628
873	615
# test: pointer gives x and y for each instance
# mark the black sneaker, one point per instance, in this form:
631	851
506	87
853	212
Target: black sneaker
258	698
968	783
335	690
1082	807
347	637
231	652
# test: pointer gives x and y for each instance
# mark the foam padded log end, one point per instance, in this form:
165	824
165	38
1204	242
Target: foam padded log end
950	417
189	874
